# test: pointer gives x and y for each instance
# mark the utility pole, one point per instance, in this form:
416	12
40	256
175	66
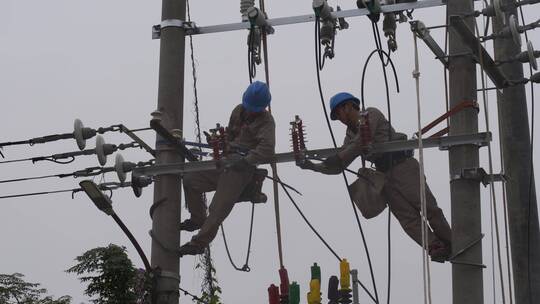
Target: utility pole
467	281
520	187
167	188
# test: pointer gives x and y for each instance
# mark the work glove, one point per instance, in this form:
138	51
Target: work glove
235	163
240	164
333	161
306	164
208	137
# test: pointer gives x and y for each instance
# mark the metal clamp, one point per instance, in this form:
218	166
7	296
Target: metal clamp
189	27
478	174
452	259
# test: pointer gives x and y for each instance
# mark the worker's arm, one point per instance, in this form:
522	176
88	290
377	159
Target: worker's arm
323	167
266	138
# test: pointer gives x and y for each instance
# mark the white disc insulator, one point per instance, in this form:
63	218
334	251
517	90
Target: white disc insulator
513	24
78	134
532	59
119	167
102	158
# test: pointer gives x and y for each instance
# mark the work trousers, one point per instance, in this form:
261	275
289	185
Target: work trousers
402	192
228	186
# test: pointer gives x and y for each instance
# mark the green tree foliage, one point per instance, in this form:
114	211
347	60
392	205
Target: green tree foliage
14	289
111	276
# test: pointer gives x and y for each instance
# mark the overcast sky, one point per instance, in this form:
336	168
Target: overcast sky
95	60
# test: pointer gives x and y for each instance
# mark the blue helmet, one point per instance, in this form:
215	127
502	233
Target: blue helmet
256	97
339	99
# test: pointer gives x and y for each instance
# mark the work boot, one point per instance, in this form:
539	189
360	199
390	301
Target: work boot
189	225
190	248
439	251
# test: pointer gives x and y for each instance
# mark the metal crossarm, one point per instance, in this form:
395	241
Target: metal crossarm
311	17
482	56
480	139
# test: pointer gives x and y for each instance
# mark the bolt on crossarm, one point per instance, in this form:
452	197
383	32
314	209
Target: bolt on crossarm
167	188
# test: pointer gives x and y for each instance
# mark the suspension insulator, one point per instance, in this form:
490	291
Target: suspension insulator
364	129
314	294
345	296
328	32
531	55
298	139
121	167
118	167
294	293
535	78
273	294
355	293
344	270
244	6
81	134
322	9
389	29
100	151
284	285
138	182
301	133
333	293
345	282
315	272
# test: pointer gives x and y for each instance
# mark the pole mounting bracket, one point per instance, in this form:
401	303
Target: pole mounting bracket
189	26
478	174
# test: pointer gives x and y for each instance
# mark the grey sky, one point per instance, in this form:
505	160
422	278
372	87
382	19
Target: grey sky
95	60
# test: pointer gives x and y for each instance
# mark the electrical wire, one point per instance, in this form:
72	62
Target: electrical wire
246	267
531	175
423	209
490	164
378	48
275	176
310	225
317	56
208	283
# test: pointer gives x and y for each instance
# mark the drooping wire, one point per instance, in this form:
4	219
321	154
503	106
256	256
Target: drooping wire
366	249
490	164
252	65
381	53
275	176
103	187
194	297
378	47
246	263
309	224
207	261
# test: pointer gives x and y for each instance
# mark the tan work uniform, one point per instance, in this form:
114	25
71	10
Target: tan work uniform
256	134
402	185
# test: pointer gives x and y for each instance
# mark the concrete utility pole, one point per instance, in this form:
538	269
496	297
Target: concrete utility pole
467	281
167	188
516	145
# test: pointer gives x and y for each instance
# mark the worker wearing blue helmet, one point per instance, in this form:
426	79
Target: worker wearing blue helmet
398	173
251	128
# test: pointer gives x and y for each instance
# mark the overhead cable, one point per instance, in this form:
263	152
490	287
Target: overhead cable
103	187
318	69
101	151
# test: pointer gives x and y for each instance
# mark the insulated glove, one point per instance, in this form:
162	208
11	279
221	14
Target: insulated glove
238	164
333	161
306	164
